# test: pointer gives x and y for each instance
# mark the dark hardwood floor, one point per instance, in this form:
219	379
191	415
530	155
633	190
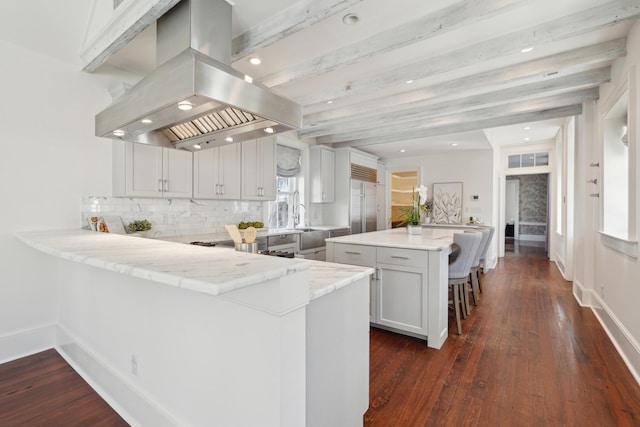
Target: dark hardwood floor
528	356
43	390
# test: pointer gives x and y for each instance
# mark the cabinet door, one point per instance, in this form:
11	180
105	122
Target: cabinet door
328	176
205	171
402	298
259	169
364	256
250	187
177	173
143	172
229	171
267	160
322	172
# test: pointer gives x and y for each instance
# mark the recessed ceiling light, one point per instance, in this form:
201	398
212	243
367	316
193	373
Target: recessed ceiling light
409	82
527	139
329	102
527	127
255	61
403	150
455	144
146	121
185	105
248	79
197	146
526	49
228	139
118	132
269	130
350	19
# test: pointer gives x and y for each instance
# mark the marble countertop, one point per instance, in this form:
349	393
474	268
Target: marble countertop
210	270
431	239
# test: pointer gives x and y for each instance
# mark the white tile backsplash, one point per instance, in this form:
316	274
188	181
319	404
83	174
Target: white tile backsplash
171	217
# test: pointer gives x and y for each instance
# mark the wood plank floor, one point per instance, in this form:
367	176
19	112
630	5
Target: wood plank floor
43	390
529	355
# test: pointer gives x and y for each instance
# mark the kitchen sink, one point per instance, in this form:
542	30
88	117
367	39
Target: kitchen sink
311	238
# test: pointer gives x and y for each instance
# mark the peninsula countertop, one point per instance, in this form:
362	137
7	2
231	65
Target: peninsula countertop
213	271
431	239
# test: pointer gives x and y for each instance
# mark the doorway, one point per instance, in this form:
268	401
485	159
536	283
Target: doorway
526	212
403	185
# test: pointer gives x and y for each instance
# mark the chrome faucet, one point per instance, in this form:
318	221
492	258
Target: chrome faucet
296	214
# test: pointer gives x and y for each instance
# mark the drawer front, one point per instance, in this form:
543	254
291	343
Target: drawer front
362	255
406	257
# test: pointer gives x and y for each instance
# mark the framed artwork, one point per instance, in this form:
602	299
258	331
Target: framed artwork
447	203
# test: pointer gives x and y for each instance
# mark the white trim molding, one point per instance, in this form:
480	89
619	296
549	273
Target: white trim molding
623	341
27	342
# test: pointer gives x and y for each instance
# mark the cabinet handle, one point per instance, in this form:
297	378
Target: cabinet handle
159	186
165	187
217	189
352	253
221	188
399	257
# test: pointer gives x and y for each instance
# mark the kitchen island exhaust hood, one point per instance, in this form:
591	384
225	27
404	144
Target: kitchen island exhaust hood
194	99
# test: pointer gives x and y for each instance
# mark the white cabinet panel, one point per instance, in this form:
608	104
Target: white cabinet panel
152	171
259	169
402	298
322	175
216	173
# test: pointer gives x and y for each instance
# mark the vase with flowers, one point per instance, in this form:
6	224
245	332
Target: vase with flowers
411	215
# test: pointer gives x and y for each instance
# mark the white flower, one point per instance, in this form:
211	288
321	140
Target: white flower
422	192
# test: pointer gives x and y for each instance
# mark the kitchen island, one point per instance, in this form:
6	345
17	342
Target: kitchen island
175	334
409	290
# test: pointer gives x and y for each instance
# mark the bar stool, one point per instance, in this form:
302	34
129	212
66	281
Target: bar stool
459	272
474	273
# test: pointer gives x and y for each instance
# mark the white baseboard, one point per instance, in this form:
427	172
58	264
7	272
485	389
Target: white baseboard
27	342
623	341
532	237
135	407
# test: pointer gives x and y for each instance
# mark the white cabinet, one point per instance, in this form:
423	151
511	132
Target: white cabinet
399	290
402	289
148	171
361	255
322	174
259	169
216	173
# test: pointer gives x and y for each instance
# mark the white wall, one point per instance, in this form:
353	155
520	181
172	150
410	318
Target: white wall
475	169
50	159
616	286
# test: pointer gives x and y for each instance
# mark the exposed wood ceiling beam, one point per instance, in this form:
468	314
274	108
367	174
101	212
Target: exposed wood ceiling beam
128	20
436	107
298	17
397	131
462	13
559	29
447	129
573	61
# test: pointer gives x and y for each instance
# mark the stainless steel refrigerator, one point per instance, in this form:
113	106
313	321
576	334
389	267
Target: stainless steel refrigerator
364	206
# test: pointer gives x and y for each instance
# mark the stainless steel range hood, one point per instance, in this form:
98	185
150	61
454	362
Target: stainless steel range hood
193	97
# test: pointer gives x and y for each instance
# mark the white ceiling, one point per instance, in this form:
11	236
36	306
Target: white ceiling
464	63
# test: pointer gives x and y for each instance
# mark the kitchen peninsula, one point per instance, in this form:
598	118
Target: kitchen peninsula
176	334
409	290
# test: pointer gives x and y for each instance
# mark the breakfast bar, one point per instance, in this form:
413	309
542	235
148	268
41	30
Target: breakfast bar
177	334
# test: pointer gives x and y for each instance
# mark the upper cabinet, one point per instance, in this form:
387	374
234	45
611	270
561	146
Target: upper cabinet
322	174
259	169
216	173
148	171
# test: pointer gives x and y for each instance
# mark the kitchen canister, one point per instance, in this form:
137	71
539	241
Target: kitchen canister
251	248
